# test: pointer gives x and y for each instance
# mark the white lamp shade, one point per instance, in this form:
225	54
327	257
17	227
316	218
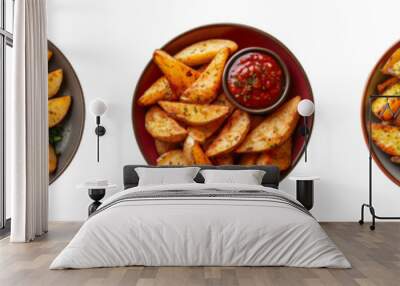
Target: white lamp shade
98	107
305	107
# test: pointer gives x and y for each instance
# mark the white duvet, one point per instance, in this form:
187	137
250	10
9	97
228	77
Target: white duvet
200	231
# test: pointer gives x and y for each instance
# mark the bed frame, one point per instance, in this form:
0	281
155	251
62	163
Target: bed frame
271	177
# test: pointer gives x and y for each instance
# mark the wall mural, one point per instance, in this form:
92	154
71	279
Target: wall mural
384	80
66	112
227	95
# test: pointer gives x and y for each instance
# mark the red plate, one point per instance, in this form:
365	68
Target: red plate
391	170
244	36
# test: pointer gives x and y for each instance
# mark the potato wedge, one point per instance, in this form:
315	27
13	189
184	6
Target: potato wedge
224	101
280	156
52	159
179	75
248	159
204	51
163	147
197	132
208	142
385	108
199	157
194	114
386	84
58	108
387	138
49	55
54	80
163	127
392	66
159	90
231	135
202	133
220	160
274	130
205	88
172	158
188	149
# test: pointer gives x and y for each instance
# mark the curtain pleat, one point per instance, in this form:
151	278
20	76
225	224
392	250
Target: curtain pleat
29	150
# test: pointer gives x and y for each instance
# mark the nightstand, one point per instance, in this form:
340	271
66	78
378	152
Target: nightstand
305	190
96	193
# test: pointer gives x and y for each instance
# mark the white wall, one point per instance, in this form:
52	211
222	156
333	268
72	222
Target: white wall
338	42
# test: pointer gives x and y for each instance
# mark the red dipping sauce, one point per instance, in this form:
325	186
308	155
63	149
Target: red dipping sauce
255	80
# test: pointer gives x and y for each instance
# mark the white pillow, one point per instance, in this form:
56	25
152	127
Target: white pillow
166	176
248	177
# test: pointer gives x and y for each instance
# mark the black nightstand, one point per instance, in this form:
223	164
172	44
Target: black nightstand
305	190
96	193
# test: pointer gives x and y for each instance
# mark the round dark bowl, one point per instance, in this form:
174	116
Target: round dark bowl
74	122
284	91
390	169
245	37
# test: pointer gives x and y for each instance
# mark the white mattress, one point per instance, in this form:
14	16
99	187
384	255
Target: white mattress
200	231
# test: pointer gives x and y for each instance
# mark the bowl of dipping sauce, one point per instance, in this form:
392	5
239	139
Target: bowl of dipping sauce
256	80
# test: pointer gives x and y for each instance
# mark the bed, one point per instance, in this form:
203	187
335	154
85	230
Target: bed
201	224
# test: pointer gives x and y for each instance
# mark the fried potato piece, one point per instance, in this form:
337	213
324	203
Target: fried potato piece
386	108
159	90
204	51
220	160
52	159
163	147
163	127
49	55
179	75
387	138
172	158
205	88
231	135
58	108
223	100
199	157
194	114
280	156
392	66
208	142
188	149
248	159
202	133
54	80
274	130
386	84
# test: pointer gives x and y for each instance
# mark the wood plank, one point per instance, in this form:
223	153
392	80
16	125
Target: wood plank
375	257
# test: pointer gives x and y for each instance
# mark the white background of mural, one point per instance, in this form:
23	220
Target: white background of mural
337	42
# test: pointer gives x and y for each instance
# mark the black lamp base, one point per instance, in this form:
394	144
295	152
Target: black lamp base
305	193
96	195
100	130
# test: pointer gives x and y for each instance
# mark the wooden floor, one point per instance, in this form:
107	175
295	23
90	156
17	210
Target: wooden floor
375	257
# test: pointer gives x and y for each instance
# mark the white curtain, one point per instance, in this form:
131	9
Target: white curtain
28	125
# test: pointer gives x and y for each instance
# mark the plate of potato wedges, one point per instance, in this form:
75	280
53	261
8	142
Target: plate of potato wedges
384	112
181	115
66	112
